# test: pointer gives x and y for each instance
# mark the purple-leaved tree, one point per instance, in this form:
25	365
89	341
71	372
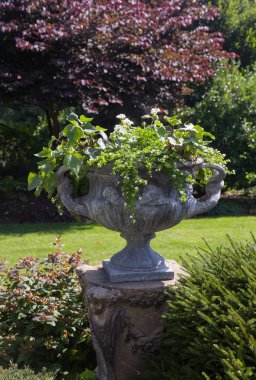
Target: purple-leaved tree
59	53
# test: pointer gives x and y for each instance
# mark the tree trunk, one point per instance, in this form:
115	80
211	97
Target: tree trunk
52	120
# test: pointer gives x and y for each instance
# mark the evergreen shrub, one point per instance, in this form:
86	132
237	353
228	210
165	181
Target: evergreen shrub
43	322
211	318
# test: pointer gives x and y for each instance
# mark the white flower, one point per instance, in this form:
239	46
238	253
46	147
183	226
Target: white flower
121	116
155	111
128	122
120	129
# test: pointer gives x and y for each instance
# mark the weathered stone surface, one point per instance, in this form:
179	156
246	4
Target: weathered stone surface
126	320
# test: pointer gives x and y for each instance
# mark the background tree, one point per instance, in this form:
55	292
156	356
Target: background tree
228	110
103	53
237	21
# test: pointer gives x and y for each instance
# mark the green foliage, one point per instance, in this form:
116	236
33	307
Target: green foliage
87	375
210	322
238	20
152	146
20	135
42	317
228	110
13	373
11	188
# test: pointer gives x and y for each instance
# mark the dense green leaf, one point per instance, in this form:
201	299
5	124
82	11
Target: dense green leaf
100	128
89	128
73	162
101	143
34	181
73	133
173	120
161	131
93	152
85	119
51	182
46	152
72	117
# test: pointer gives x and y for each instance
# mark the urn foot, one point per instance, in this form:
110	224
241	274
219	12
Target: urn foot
121	274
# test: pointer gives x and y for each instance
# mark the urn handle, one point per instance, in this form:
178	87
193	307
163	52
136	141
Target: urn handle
212	191
77	206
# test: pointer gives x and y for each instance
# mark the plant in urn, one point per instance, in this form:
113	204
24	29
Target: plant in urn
138	180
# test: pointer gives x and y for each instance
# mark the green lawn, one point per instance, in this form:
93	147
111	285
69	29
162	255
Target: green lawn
97	242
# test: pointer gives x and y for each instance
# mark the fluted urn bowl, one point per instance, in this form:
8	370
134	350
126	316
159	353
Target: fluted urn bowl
158	207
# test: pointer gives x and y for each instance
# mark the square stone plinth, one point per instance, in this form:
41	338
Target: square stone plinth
125	320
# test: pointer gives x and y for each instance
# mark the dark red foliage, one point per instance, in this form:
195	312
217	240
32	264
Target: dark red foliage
97	53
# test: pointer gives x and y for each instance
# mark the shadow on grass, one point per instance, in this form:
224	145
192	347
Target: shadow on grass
41	228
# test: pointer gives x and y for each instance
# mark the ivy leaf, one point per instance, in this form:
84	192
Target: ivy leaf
158	123
209	135
89	128
200	131
47	166
161	131
34	181
46	152
172	141
189	127
50	182
53	138
73	133
102	143
173	120
72	117
85	119
100	128
73	162
93	152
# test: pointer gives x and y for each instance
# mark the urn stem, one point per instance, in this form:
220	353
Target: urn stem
137	261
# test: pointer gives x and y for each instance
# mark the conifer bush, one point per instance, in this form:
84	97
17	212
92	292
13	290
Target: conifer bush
211	319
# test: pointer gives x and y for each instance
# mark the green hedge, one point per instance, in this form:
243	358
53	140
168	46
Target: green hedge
211	319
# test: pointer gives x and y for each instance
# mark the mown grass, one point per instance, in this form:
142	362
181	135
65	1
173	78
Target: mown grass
97	243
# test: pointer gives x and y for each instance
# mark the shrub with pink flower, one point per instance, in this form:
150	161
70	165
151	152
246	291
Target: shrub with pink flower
43	322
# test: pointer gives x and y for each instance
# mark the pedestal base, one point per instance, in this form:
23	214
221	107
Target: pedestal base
125	319
123	275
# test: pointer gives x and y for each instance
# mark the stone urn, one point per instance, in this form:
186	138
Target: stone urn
158	207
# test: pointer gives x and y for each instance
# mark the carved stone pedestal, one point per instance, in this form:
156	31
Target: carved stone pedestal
126	321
